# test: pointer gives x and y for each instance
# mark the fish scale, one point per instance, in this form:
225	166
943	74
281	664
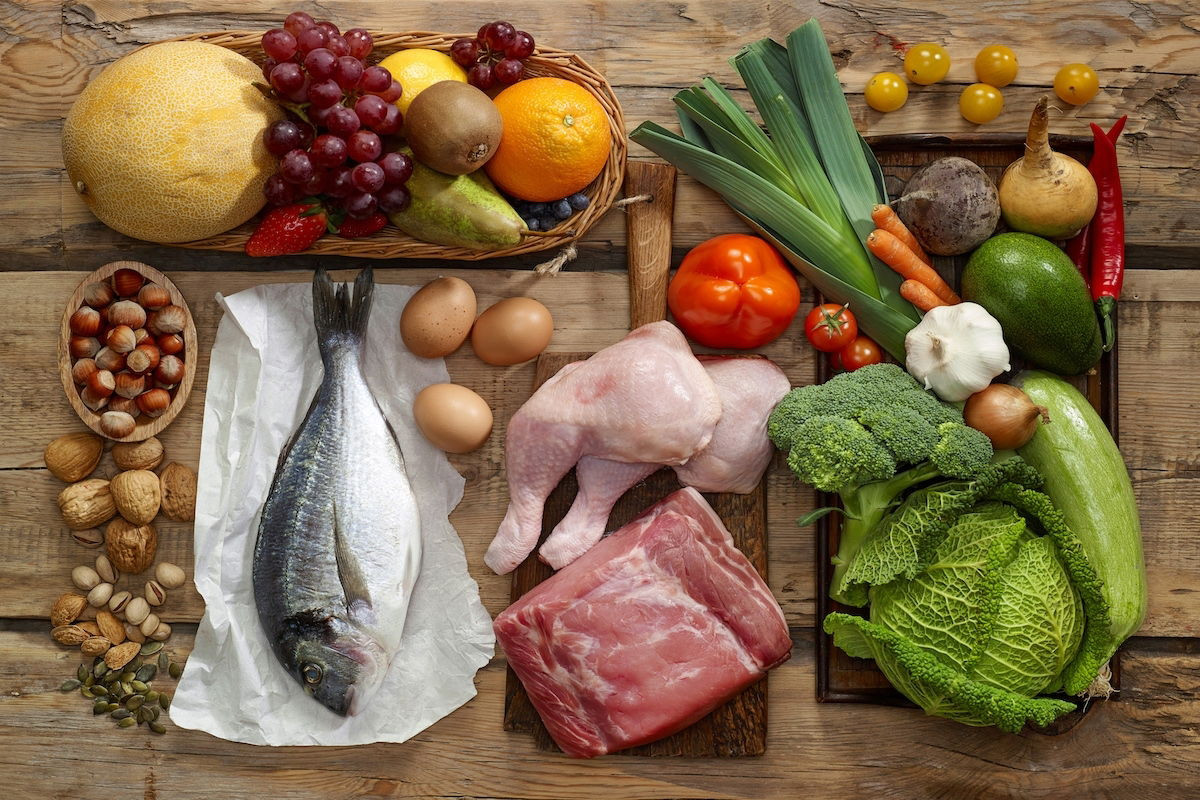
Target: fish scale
338	548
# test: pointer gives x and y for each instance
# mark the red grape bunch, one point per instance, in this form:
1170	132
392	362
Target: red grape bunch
337	153
496	55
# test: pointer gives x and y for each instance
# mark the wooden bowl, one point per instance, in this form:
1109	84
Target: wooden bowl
146	426
391	242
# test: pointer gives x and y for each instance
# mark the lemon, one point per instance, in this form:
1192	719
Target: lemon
418	68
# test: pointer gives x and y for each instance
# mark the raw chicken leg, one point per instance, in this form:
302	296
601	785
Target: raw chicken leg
645	399
733	461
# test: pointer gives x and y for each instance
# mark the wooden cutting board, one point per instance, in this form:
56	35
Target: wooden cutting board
738	728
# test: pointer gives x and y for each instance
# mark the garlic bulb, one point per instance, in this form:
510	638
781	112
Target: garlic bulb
956	350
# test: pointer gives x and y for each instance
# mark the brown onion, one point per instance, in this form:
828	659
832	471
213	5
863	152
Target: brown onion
1005	415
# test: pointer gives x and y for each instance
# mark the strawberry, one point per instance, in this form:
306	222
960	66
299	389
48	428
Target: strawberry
288	229
357	228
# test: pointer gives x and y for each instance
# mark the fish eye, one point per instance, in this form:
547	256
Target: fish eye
312	673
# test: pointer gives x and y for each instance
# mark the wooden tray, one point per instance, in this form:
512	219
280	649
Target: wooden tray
391	242
840	678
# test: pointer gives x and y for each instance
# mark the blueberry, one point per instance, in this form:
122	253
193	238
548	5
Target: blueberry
537	209
521	207
547	223
561	209
579	201
533	224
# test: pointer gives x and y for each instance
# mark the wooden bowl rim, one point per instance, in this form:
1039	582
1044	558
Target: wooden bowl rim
152	427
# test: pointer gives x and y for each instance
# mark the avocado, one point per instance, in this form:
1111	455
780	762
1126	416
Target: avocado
1039	298
458	210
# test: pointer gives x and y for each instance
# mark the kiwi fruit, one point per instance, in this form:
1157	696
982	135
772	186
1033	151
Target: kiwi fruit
453	127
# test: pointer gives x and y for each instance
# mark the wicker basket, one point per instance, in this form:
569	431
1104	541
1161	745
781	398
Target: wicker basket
390	242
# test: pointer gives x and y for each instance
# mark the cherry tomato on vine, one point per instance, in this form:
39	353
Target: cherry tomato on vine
830	327
859	353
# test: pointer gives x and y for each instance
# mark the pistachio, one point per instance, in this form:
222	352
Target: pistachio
161	633
137	610
92	537
100	594
150	648
105	569
121	655
149	625
156	595
169	575
70	686
118	603
90	626
85	578
67	608
128	722
69	635
111	628
133	634
146	672
95	646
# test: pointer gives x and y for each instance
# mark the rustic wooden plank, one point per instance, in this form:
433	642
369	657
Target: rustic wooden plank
1142	747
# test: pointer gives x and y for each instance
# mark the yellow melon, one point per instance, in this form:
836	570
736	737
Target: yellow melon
166	144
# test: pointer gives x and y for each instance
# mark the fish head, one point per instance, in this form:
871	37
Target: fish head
336	663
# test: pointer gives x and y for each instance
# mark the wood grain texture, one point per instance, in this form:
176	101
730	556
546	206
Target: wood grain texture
648	238
738	728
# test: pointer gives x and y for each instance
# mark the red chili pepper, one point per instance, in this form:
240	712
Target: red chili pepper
1079	248
1108	233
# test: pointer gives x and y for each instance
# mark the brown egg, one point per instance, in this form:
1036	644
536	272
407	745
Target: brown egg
452	417
436	319
512	331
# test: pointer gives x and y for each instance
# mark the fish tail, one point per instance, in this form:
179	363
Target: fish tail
338	317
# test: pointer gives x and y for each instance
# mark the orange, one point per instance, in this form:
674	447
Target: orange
555	141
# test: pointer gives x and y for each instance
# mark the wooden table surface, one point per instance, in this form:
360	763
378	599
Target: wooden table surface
1146	745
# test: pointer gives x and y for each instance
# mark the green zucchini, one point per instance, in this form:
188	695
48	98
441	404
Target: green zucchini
1087	479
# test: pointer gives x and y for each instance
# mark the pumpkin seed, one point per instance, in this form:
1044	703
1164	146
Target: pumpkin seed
112	707
175	670
82	673
126	688
128	722
99	669
152	697
86	691
89	680
135	702
127	676
142	715
158	727
164	701
150	648
139	686
121	713
153	711
98	690
70	686
164	661
146	673
100	708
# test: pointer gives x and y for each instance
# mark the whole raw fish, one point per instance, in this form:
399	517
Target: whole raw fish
339	540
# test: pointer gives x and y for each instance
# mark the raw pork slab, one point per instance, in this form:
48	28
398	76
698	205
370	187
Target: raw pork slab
650	630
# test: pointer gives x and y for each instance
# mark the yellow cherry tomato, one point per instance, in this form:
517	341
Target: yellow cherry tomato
996	65
980	103
887	91
926	63
1076	84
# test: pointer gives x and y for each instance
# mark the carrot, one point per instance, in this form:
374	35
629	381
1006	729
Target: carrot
920	295
884	217
891	251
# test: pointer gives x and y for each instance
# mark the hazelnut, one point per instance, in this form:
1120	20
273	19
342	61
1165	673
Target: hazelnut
130	547
169	319
85	321
126	405
67	608
110	359
126	282
129	385
101	383
117	424
127	313
82	369
153	296
170	370
143	358
100	594
137	494
147	454
73	456
141	335
120	339
85	578
86	504
92	400
137	610
98	294
169	575
154	403
170	343
106	570
178	492
83	346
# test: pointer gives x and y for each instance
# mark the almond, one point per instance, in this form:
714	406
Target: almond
111	628
67	609
137	495
90	626
130	547
95	646
86	504
73	456
121	655
73	635
178	492
147	454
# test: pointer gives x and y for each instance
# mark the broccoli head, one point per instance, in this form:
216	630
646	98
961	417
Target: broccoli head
907	435
961	451
832	453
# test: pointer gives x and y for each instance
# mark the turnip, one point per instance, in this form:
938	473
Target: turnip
951	205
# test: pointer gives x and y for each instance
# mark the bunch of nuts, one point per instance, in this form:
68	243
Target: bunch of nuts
126	347
123	622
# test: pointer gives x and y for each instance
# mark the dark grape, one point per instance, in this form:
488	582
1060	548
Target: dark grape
328	150
397	169
347	72
465	52
392	120
323	94
298	21
307	132
279	44
521	46
371	110
367	177
287	77
339	184
561	209
310	39
282	136
320	115
267	66
360	42
361	205
342	121
508	70
579	201
481	76
338	44
375	80
393	92
320	63
296	167
279	192
329	28
318	183
481	34
498	35
300	95
393	199
363	146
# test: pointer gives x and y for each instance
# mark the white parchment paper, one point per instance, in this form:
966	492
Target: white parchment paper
264	372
